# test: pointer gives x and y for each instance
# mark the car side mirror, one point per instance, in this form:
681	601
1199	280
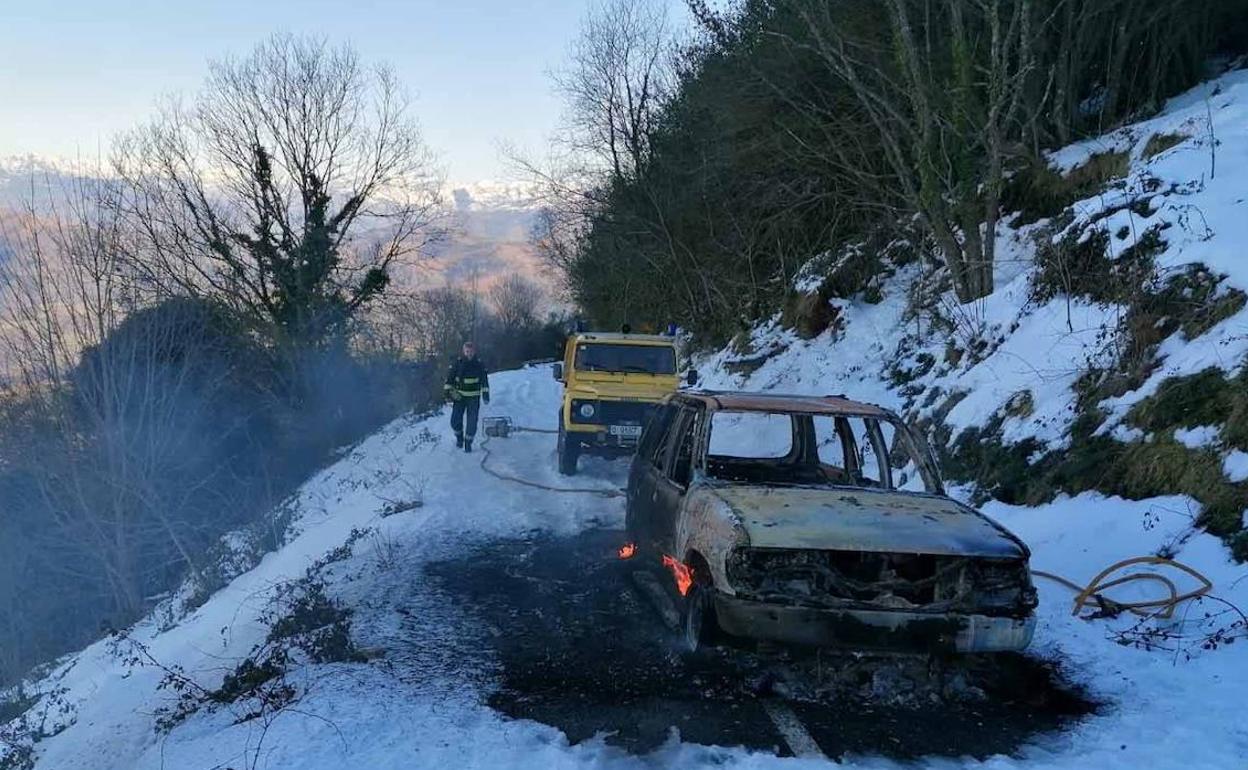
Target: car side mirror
691	377
557	370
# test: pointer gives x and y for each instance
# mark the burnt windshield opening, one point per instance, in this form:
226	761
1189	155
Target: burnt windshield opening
816	449
625	359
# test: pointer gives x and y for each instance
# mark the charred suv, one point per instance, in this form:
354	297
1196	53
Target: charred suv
820	521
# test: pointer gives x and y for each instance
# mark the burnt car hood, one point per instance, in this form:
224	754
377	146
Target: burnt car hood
866	520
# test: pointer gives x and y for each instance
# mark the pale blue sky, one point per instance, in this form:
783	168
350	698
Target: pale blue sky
75	72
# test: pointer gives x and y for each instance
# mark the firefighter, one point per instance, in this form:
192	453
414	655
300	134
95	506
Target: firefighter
466	385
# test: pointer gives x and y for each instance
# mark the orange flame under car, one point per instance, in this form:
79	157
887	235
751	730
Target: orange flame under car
681	571
628	550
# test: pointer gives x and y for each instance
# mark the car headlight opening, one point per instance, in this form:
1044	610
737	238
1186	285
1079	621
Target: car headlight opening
587	410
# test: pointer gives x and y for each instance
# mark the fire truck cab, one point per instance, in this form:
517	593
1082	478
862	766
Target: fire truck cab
611	385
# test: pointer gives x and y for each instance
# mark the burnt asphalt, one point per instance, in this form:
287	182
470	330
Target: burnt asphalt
578	647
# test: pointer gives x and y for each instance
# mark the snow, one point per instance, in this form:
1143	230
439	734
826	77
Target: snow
1201	437
1235	466
1200	199
829	364
1039	358
1166	712
110	704
1162	710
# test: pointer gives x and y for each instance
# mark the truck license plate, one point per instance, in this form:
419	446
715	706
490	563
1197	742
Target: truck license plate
625	431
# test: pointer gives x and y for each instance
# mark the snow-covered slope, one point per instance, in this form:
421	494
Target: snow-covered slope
104	703
1194	194
1170	702
1168	711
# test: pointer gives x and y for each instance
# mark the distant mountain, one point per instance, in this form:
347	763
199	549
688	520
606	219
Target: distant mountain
32	178
490	221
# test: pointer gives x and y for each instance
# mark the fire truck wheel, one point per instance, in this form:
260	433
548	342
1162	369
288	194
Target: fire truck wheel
569	452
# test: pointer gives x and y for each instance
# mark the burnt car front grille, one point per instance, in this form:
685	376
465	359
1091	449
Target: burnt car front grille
902	581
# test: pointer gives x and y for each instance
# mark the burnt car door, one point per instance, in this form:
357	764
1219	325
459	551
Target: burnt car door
644	473
672	485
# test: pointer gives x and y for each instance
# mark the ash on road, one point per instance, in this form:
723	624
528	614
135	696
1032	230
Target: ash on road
581	649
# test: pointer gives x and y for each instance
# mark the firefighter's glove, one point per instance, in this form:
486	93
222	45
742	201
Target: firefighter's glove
485	397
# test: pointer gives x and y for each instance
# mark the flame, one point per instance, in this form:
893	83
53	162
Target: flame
682	572
628	550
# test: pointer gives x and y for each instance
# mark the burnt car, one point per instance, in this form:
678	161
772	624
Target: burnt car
819	521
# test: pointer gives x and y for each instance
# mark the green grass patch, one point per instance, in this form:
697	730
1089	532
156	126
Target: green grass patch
15	703
1136	471
1239	546
1021	405
1159	143
1079	265
1210	397
1037	191
1192	301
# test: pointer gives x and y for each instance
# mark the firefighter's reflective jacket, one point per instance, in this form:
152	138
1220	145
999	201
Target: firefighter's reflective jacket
468	379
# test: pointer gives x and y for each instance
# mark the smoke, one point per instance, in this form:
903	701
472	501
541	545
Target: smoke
118	479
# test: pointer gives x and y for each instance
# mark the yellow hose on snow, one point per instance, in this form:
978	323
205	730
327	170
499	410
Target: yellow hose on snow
1162	607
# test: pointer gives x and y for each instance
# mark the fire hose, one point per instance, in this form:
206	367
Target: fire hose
502	476
1093	592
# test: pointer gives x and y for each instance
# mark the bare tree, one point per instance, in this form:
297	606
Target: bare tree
441	319
516	302
944	88
105	423
289	187
618	75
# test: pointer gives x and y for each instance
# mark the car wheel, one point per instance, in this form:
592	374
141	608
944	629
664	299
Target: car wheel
699	628
569	452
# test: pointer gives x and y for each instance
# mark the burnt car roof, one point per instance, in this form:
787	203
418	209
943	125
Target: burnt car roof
774	402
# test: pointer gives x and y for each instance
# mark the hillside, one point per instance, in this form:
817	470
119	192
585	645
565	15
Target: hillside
371	597
1118	326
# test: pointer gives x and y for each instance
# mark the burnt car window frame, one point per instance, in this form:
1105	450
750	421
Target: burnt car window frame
849	443
792	453
876	436
656	432
690	418
920	452
663	452
915	448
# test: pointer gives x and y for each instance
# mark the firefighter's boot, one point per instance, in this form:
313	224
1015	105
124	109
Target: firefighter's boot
459	441
467	445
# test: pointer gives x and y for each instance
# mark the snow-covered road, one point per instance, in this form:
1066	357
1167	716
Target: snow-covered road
426	701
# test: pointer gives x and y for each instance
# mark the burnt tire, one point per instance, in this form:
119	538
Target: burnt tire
699	629
569	452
